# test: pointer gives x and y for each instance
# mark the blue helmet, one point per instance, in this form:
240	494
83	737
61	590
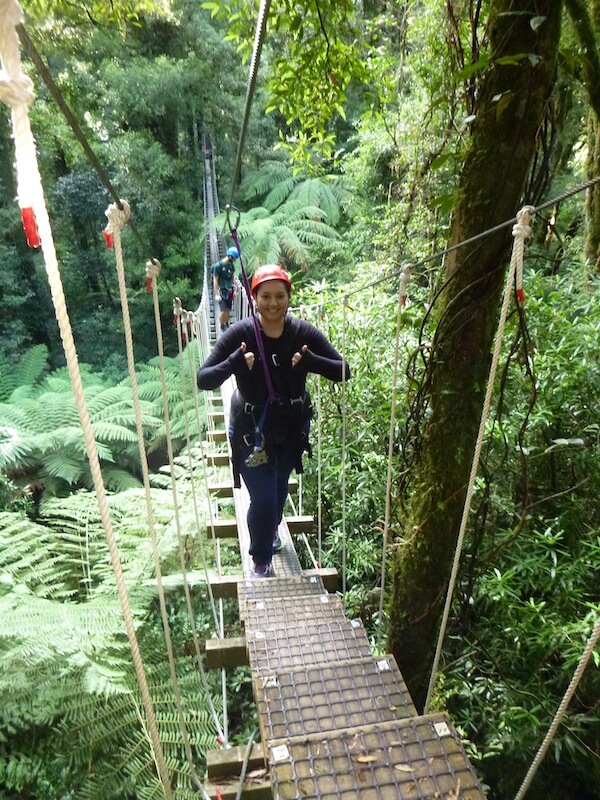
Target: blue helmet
233	252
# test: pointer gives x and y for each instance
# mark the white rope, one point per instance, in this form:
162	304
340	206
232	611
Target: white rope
30	184
404	278
577	675
171	458
521	231
16	90
117	219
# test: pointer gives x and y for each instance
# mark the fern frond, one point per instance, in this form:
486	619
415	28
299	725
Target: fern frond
260	182
31	367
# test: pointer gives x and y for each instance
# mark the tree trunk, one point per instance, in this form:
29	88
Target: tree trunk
586	20
510	108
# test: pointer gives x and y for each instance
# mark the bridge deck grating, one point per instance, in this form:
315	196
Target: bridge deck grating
312	643
266	613
417	758
280	590
340	695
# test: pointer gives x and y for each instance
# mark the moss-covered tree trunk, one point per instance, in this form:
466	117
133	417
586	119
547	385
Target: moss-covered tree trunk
510	107
586	19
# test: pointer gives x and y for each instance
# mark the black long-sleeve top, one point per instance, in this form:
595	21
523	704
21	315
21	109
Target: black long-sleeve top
287	420
226	359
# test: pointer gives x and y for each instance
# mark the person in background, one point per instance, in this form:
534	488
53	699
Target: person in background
270	409
223	273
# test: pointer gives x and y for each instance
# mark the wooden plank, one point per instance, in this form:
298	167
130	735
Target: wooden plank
218	459
225	586
223	528
300	524
226	653
217	436
221	489
216	416
228	762
329	576
225	488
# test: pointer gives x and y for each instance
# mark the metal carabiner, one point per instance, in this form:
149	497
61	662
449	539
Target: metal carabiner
228	210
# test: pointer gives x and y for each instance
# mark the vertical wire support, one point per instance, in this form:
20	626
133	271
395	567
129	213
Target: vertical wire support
344	398
388	483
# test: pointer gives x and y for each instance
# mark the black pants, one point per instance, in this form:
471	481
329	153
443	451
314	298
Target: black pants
268	487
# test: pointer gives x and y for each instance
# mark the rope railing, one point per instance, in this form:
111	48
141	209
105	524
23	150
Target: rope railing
117	218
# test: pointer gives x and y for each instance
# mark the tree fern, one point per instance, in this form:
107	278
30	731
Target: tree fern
41	441
65	665
26	372
258	183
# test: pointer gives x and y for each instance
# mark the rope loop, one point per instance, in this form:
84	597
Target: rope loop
117	217
521	231
16	91
153	268
405	276
177	307
522	227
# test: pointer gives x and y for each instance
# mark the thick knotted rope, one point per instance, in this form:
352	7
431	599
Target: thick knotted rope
16	89
521	231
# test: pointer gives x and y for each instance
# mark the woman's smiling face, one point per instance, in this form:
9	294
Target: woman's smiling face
272	300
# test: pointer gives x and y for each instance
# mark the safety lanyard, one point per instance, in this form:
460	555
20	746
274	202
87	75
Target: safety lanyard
271	394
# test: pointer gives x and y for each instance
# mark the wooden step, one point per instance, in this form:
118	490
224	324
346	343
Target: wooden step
300	524
226	653
228	762
223	528
226	586
218	459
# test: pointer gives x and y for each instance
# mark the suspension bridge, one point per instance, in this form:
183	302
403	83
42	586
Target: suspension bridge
335	720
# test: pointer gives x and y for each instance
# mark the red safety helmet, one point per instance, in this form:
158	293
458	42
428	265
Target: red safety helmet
270	272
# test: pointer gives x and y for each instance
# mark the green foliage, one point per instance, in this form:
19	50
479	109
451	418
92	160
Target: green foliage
66	672
284	236
41	441
353	424
529	588
401	115
92	11
319	42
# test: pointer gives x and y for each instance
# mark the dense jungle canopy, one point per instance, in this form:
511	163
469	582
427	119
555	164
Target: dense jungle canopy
382	136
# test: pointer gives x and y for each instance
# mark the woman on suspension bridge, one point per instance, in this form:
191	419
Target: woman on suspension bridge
270	409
